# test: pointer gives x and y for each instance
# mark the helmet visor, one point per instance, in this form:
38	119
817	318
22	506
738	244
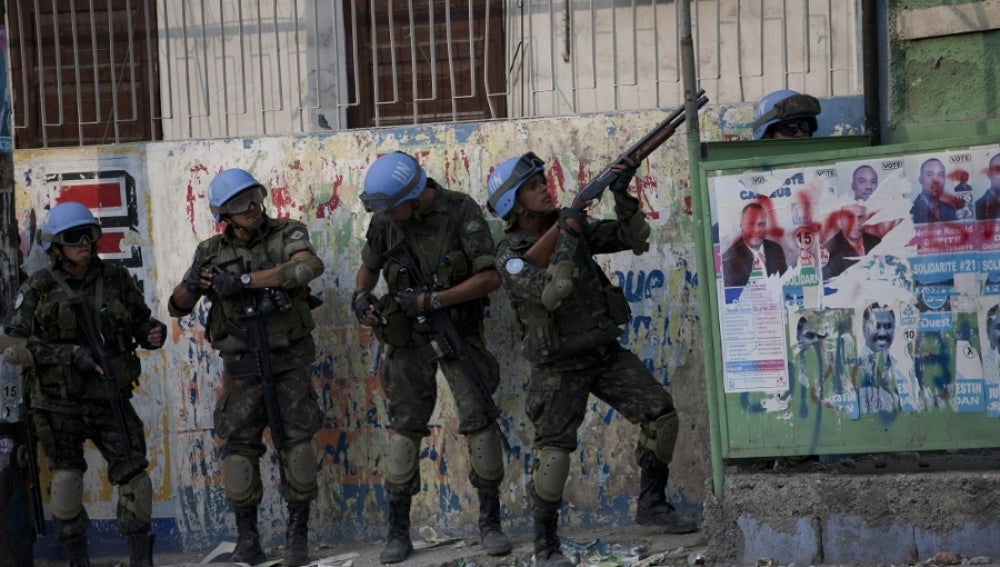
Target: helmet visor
795	106
242	202
529	164
77	236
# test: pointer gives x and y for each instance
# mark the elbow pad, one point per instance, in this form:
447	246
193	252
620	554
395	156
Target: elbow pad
560	284
636	232
298	273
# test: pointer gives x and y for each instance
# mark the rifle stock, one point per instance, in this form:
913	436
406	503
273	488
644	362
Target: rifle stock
31	446
453	343
85	316
541	250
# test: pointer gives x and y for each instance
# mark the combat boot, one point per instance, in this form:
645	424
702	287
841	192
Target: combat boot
140	550
548	549
490	534
297	536
247	539
399	546
652	509
77	553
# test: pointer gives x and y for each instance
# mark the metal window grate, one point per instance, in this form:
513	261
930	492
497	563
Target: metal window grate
90	72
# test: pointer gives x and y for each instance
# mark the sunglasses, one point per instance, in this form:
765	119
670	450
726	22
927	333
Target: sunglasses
243	202
529	165
793	127
78	236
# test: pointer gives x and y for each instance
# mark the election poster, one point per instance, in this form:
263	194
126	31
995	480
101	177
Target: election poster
863	286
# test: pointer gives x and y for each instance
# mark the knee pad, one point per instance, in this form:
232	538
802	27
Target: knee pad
136	495
243	487
550	473
300	467
66	500
486	454
666	428
401	459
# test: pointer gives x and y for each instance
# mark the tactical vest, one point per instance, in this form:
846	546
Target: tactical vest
266	251
57	323
591	316
443	264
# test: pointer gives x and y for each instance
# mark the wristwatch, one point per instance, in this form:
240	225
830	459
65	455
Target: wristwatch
245	279
435	301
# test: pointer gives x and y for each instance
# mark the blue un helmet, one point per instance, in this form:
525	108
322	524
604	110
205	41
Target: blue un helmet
392	179
68	223
783	106
507	178
224	189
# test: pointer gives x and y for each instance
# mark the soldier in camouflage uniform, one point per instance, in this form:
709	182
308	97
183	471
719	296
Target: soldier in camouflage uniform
448	235
570	315
65	381
270	261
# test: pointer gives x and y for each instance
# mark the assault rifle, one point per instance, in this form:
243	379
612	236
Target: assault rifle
31	458
80	304
255	335
448	342
540	251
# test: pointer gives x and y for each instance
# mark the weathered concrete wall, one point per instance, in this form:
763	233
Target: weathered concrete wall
897	517
943	66
158	192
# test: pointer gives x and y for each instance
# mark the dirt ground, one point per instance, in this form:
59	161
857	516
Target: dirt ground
635	546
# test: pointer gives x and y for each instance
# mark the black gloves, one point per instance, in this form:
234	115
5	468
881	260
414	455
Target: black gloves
227	284
84	361
363	301
625	175
574	221
192	281
409	300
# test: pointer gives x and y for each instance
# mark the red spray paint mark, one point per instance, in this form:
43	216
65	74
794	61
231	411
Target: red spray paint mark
556	180
959	176
325	210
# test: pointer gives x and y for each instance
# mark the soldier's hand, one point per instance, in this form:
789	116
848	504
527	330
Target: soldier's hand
412	301
84	361
626	172
574	221
157	332
364	306
227	284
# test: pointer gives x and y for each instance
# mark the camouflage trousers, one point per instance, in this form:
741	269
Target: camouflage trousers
62	435
240	414
410	382
558	392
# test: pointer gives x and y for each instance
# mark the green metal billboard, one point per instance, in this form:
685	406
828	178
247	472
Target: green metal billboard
850	295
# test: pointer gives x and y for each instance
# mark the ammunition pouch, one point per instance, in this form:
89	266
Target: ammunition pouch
394	326
541	335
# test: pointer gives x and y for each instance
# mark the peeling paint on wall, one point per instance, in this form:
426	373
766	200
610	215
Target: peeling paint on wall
318	179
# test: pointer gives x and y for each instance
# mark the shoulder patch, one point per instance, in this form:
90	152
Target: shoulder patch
473	226
514	266
297	235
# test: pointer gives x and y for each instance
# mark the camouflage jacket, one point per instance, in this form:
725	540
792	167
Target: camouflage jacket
273	245
452	242
589	317
44	317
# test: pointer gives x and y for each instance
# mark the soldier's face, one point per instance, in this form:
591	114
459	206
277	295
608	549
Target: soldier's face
932	178
249	219
754	227
864	183
880	329
534	196
79	254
